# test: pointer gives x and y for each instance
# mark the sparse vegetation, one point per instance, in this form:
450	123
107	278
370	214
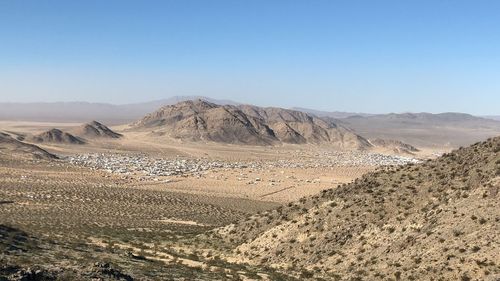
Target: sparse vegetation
397	223
398	214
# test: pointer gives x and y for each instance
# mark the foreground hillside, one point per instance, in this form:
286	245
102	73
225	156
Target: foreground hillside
439	220
63	222
204	121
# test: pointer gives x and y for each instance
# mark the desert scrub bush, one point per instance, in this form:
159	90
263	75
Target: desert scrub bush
306	274
391	229
465	277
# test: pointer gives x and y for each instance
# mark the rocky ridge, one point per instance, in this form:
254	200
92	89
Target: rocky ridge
244	124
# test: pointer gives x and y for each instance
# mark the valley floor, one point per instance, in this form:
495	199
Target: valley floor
80	223
134	208
77	220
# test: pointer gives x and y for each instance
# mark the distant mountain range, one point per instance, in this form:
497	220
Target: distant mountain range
493	117
84	111
344	114
448	129
425	129
114	114
332	114
418	129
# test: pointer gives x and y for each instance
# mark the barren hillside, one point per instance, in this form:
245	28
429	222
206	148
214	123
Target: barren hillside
291	126
56	136
438	220
10	147
95	129
394	146
203	121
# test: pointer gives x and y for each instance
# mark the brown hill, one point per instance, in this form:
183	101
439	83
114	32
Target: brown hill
291	126
201	120
394	146
438	220
95	129
12	147
56	136
14	135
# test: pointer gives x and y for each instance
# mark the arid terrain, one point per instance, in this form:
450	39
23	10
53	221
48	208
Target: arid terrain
278	195
437	220
249	140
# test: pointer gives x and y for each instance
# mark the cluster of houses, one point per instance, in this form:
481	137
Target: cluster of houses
147	167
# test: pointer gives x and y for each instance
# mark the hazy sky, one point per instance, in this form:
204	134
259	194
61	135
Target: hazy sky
364	56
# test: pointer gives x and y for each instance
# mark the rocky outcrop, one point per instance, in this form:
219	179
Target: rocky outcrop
203	121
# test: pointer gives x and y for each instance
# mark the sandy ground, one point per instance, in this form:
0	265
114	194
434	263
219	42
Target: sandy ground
127	213
273	185
281	186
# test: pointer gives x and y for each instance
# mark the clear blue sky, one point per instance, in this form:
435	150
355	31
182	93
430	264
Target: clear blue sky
364	56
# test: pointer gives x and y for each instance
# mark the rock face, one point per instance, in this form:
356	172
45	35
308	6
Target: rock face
15	148
201	120
57	136
95	129
435	220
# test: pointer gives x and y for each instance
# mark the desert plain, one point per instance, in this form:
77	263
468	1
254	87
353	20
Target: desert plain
142	205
